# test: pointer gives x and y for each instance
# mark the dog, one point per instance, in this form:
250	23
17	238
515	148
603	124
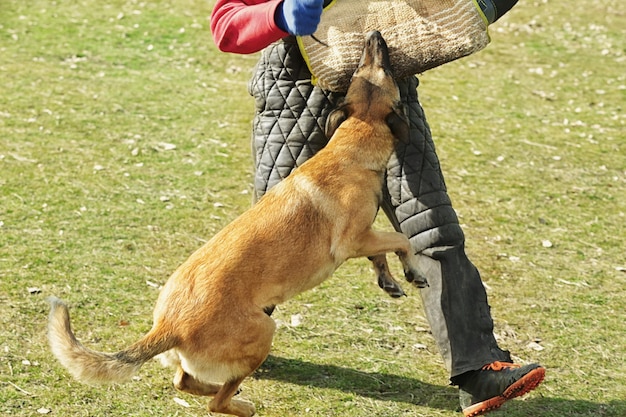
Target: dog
212	318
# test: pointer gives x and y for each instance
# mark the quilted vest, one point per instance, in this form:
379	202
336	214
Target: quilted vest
288	127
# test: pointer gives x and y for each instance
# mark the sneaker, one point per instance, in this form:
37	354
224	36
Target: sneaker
487	389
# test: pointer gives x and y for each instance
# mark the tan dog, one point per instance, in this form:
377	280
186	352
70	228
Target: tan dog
211	320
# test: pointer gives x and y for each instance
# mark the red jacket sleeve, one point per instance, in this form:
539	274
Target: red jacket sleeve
245	26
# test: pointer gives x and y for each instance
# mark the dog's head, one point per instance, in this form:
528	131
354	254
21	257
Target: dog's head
373	93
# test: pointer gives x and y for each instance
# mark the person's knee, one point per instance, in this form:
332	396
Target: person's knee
433	228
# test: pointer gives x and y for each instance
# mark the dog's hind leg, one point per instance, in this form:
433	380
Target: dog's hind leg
386	281
224	403
255	342
187	383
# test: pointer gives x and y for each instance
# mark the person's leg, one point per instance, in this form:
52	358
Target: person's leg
456	302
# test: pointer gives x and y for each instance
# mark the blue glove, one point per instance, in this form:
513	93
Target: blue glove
299	17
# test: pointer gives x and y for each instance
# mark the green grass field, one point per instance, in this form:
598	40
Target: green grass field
124	145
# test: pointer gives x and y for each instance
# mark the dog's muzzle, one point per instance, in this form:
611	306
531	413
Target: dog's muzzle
376	51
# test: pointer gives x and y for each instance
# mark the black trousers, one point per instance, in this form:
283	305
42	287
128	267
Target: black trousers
288	128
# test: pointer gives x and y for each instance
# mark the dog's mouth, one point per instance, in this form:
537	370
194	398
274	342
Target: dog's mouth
376	52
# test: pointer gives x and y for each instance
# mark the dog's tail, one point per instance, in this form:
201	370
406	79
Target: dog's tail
90	366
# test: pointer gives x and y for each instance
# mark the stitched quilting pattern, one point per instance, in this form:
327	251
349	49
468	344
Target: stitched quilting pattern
289	128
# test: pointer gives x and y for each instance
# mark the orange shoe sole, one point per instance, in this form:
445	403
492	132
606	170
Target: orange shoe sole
525	384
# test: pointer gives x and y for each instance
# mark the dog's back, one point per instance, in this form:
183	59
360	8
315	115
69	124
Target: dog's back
297	234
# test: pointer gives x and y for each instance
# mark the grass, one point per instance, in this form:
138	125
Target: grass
124	144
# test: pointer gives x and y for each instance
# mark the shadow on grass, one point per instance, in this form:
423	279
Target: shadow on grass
560	407
379	386
388	387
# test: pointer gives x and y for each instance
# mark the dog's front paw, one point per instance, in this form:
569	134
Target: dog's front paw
416	278
390	286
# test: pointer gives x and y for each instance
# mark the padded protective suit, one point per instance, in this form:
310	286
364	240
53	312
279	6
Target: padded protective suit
288	128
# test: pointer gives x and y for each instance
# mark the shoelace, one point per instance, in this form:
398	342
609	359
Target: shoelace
498	366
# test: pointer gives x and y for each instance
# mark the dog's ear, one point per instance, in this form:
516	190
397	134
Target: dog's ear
335	118
398	122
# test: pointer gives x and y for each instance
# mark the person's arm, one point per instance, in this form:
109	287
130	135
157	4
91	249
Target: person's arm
247	26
